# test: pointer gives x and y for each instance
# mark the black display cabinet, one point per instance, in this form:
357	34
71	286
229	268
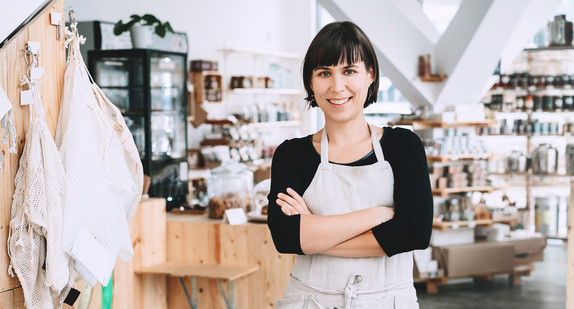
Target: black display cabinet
150	89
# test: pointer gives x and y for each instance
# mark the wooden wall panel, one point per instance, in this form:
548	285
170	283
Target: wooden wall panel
570	273
12	68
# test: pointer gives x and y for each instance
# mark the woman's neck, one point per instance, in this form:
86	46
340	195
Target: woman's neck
348	132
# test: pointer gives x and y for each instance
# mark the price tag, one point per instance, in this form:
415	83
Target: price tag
471	224
455	225
235	216
36	73
26	97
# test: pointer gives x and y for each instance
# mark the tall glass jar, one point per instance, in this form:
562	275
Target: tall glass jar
229	186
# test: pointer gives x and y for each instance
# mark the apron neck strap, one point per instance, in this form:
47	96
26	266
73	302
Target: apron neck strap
324	147
376	146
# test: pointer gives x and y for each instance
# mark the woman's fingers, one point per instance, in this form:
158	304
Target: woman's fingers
292	203
302	205
286	208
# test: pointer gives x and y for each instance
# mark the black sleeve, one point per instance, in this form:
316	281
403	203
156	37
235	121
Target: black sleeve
284	229
411	225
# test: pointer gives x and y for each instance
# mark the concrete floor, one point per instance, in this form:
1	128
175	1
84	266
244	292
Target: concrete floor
544	288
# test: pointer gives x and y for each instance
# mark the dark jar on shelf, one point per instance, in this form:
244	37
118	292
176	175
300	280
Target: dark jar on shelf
504	80
558	103
547	104
520	102
524	80
558	82
549	81
528	103
568	102
541	80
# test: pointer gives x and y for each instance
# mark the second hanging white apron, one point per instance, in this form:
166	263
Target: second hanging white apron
320	281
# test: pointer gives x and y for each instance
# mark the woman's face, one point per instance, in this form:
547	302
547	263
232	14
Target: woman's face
341	90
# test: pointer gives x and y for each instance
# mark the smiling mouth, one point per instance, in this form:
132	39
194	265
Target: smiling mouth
339	101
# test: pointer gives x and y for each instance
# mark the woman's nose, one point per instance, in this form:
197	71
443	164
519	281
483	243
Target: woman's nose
337	83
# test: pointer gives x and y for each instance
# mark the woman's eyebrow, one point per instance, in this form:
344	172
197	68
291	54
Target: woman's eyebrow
323	68
351	66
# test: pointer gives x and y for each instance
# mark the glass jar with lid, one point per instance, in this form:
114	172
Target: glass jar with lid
229	186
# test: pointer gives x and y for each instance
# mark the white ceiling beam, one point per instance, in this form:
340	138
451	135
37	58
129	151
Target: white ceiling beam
468	51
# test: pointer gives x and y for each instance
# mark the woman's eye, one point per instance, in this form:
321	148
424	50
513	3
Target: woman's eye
324	74
349	72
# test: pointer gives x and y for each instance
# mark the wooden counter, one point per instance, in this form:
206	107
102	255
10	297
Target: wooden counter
198	239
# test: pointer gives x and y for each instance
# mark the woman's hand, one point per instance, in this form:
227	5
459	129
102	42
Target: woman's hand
293	203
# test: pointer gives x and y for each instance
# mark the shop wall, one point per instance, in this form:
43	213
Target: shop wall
246	24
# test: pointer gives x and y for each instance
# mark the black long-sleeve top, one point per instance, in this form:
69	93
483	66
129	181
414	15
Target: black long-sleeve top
294	165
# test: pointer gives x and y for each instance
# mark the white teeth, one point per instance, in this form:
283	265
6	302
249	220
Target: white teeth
339	102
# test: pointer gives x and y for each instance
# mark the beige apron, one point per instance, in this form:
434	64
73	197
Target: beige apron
321	281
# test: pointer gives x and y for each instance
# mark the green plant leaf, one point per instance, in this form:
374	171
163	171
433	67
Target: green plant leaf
167	27
160	30
118	28
135	17
150	19
130	24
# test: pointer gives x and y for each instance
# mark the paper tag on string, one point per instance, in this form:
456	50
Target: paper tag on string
26	97
36	73
235	216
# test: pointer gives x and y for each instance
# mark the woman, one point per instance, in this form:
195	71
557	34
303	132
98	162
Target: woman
352	200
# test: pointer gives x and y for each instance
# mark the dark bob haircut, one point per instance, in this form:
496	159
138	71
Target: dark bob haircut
340	42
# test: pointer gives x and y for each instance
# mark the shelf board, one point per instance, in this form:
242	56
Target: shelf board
275	124
525	134
445	225
549	48
428	124
454	158
447	191
267	91
279	54
531	174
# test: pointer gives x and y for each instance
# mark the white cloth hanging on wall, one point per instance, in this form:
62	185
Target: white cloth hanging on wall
45	271
6	124
102	177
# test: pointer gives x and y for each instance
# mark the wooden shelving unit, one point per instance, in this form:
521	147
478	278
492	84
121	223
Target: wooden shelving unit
428	124
275	124
447	191
279	91
455	158
445	225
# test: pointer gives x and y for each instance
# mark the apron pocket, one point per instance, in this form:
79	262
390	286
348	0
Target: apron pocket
405	302
299	302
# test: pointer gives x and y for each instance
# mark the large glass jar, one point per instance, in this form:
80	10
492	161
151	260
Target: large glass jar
229	186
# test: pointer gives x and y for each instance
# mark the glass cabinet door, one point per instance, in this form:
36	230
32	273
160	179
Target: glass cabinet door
167	86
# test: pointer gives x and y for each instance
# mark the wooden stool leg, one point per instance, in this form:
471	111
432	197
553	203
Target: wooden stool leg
515	279
432	286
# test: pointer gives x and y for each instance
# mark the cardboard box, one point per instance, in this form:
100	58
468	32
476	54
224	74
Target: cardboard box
529	245
476	259
527	250
525	259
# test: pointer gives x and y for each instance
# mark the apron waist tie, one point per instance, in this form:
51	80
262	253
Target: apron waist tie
351	290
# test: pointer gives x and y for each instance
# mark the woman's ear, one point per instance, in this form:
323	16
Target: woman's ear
371	74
